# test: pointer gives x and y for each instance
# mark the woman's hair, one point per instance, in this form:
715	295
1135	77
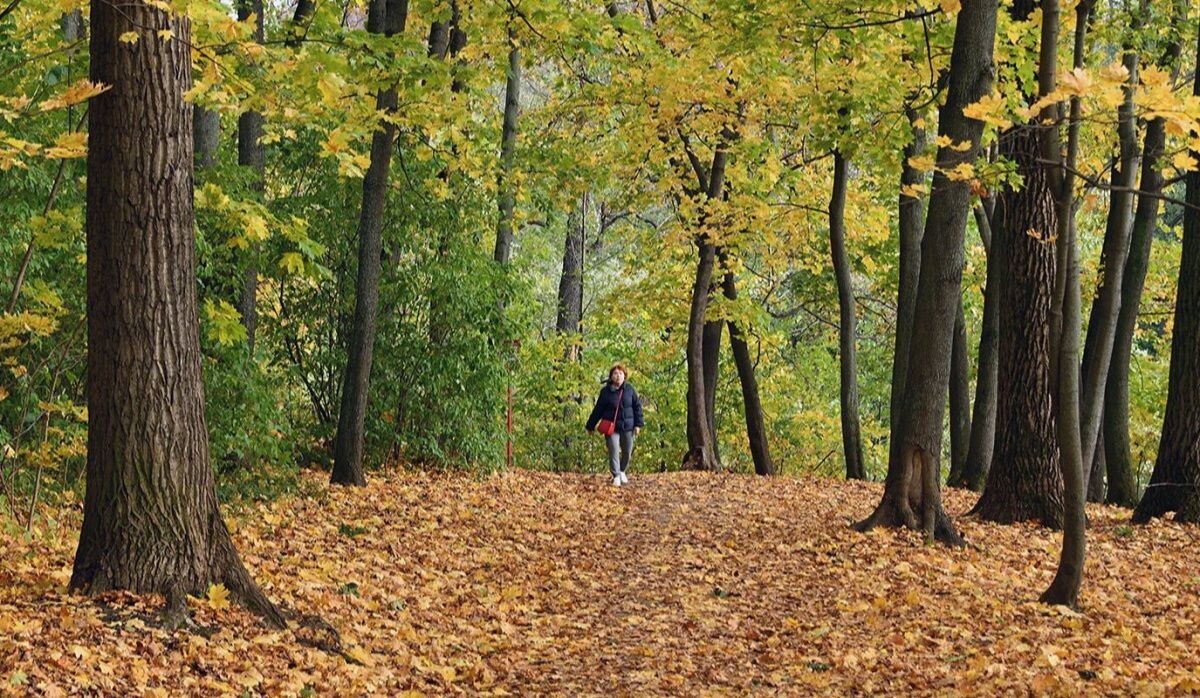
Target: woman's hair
618	367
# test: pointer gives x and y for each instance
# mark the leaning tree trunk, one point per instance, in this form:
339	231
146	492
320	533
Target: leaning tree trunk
389	19
911	497
1122	485
151	521
506	196
756	430
983	418
1024	481
1175	483
570	310
250	154
960	397
847	329
1101	331
911	216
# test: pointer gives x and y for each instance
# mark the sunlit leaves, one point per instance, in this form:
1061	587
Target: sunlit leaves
224	322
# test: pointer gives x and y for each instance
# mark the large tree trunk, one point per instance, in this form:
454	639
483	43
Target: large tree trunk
250	154
911	215
847	327
387	18
506	196
911	484
756	430
983	419
960	397
151	519
1025	481
1175	483
1101	331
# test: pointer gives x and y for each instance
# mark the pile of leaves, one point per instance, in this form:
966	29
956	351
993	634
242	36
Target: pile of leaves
525	582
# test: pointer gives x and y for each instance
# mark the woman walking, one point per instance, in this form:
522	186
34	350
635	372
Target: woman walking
618	417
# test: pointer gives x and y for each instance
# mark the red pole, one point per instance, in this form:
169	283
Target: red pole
509	445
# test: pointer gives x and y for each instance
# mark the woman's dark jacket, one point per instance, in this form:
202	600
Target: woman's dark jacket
628	417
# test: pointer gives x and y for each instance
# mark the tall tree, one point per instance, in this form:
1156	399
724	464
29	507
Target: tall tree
506	196
847	326
983	417
1102	323
756	430
1122	486
1025	479
1175	483
206	135
387	17
250	154
151	520
911	497
911	215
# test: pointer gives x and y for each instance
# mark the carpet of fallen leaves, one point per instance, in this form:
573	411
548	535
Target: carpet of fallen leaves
689	583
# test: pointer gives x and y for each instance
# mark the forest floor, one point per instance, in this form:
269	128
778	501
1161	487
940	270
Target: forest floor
688	583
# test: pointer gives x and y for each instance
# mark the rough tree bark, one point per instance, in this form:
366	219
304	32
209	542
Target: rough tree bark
983	418
151	519
911	215
911	484
1101	331
1175	483
847	327
506	191
250	154
387	18
1025	479
960	397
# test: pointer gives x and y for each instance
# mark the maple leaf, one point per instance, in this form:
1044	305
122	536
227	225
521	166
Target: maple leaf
217	597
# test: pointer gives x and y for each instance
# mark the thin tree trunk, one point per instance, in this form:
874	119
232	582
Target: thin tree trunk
508	148
713	329
1175	483
756	430
1122	484
983	419
570	310
701	437
911	226
939	288
387	18
847	327
1101	332
960	397
250	154
151	518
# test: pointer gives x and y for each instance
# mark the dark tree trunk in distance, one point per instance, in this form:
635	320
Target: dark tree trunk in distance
206	135
983	418
250	154
1175	483
847	327
756	430
508	149
908	489
389	19
151	519
960	397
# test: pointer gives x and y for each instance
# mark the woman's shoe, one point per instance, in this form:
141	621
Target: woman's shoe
616	480
624	478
